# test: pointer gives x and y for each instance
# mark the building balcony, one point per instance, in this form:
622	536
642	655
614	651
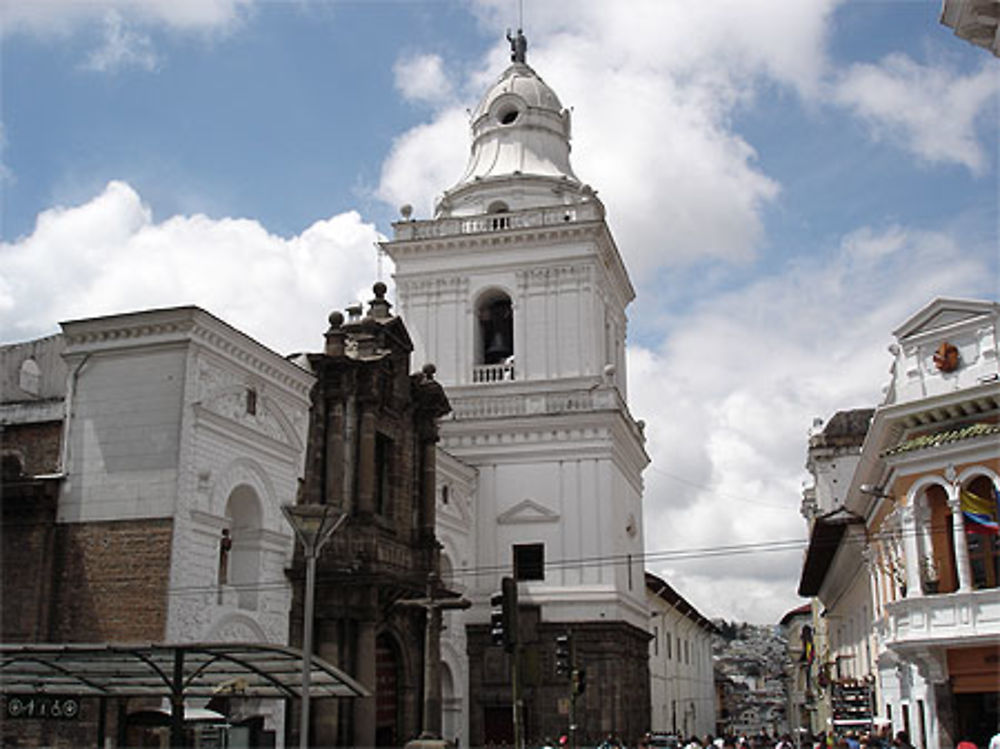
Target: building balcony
498	222
941	619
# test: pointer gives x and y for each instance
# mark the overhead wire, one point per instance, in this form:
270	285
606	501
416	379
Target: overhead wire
364	576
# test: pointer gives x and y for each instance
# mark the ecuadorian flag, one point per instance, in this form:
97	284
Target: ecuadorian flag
980	514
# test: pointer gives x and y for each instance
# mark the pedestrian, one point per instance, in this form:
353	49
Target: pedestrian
902	740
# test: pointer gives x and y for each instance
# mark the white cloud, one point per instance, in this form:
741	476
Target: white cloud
424	161
125	41
48	17
109	255
929	110
682	185
729	395
123	48
422	78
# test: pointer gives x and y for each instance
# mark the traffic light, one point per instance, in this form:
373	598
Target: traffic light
579	680
564	662
496	618
503	615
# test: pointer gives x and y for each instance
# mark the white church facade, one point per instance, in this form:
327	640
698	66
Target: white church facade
516	291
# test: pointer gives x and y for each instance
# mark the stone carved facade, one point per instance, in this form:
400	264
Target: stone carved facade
371	453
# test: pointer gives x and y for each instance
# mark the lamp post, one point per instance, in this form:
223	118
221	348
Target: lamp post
313	525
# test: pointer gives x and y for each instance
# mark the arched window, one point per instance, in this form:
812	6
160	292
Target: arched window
244	556
979	502
938	570
494	338
30	377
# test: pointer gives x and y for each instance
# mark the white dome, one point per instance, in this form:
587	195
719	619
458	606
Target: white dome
519	79
520	149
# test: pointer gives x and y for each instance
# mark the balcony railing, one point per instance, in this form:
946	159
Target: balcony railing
945	616
495	222
493	373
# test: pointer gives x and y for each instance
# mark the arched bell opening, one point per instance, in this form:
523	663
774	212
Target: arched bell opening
494	338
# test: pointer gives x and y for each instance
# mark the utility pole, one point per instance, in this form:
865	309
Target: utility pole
430	736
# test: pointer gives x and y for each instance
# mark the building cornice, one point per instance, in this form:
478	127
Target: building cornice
182	325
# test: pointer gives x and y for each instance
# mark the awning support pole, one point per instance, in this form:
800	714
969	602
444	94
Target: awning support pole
177	701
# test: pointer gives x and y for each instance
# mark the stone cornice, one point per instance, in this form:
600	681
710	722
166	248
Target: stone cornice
180	325
487	242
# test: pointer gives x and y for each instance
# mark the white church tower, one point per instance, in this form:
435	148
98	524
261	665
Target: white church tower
516	291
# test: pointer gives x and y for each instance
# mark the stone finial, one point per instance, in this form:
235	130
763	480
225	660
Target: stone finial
428	369
378	308
335	336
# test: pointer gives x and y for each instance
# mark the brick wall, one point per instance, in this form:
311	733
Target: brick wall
36	445
111	581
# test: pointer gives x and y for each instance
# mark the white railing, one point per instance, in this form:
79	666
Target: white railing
497	222
493	373
943	616
519	404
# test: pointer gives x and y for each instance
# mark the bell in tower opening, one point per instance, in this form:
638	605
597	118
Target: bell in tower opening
496	329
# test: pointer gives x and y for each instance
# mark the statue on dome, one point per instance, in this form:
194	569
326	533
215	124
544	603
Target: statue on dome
518	46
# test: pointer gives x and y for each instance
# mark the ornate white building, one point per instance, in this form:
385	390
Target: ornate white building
909	584
516	291
175	440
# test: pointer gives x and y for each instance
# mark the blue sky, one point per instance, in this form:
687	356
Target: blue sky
787	182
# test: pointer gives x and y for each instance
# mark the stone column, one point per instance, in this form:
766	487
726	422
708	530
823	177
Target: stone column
911	554
958	539
334	457
366	461
324	712
364	707
428	486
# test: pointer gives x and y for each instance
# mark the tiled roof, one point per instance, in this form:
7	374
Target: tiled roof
943	438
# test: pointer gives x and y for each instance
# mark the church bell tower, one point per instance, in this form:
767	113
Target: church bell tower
516	291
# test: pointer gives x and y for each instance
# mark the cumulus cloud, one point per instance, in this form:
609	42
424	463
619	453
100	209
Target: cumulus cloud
124	25
730	390
729	394
422	78
110	255
683	185
928	110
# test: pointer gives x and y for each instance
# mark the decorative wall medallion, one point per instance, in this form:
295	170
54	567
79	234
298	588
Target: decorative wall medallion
946	357
631	528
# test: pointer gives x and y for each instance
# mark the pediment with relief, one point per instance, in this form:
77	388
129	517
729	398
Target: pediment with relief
943	314
266	419
527	511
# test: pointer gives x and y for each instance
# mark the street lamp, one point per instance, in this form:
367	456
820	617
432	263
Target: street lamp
314	525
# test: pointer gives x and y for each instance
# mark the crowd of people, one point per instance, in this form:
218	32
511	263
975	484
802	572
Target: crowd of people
877	739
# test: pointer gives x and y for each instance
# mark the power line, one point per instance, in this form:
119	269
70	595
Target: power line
362	576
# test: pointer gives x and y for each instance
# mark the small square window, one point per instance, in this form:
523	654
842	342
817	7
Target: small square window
529	561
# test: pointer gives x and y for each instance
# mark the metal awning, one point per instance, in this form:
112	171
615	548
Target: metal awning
178	670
